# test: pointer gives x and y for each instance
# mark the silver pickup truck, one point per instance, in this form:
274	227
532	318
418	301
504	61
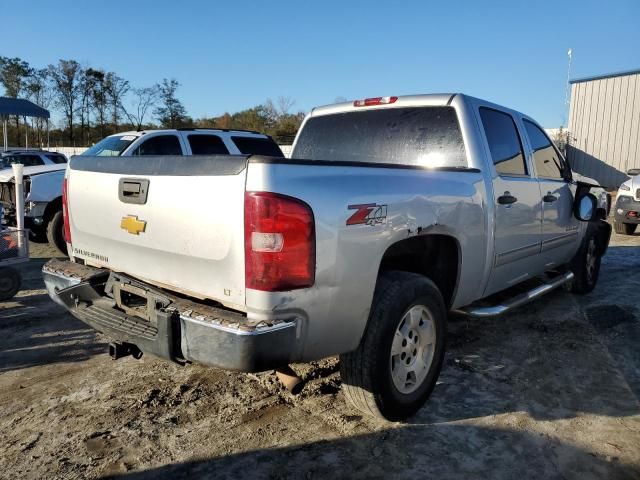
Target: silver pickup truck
391	213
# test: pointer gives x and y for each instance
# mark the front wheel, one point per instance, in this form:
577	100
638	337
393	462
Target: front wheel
586	266
55	232
9	283
395	367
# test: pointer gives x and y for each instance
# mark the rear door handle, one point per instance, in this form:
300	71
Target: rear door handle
548	198
507	199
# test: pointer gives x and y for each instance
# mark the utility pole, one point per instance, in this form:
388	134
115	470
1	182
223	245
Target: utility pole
568	86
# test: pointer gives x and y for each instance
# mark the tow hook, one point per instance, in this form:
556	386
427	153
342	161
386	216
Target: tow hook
120	350
290	379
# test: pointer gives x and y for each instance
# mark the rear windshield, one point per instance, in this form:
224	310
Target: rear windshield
111	146
257	146
416	136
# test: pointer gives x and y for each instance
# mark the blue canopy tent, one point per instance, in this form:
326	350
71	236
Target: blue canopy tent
21	108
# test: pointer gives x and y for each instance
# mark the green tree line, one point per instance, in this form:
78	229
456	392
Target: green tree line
92	103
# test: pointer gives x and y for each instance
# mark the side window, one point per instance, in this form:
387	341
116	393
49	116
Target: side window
160	145
257	146
504	142
207	145
56	158
29	160
547	160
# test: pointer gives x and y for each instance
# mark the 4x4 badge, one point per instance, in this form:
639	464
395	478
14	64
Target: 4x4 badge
131	224
367	214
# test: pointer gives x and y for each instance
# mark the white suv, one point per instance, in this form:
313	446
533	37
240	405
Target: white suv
186	141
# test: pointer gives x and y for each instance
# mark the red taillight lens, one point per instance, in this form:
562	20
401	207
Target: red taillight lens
65	213
368	102
279	242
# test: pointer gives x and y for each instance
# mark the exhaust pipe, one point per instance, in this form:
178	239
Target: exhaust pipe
290	380
121	350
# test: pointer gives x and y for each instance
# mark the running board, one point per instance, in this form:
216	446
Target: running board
518	300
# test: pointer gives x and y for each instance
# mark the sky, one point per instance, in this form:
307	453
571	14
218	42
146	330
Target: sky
229	56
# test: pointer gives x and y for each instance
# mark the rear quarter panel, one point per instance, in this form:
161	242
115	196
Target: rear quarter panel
333	313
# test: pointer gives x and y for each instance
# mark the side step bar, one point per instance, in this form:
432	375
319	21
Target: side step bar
518	300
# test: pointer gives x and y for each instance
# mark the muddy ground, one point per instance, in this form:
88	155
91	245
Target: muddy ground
550	391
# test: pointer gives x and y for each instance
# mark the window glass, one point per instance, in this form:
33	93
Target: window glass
160	145
56	158
257	146
207	145
26	160
418	136
504	142
111	146
548	162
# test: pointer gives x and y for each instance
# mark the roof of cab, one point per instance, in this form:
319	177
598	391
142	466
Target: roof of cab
431	99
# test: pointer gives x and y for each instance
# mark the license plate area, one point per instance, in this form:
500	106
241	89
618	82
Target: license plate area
136	300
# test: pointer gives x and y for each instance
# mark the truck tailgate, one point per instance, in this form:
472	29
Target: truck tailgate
186	235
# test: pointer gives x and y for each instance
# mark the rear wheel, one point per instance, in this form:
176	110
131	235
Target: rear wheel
55	232
625	228
395	368
9	283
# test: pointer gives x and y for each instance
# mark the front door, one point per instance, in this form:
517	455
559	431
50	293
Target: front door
518	209
559	226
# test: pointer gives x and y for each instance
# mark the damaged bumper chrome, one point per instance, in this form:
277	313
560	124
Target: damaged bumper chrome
174	328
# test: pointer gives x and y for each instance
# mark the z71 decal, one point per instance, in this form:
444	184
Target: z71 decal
367	214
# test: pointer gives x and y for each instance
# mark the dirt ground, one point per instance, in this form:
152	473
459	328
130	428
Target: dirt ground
549	391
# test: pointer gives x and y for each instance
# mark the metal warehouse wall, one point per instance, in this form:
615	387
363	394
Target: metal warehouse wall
604	127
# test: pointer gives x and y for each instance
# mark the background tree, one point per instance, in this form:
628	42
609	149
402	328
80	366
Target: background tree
66	78
99	97
14	73
116	87
170	113
38	90
143	100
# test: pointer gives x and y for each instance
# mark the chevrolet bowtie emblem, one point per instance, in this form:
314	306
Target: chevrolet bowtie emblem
131	224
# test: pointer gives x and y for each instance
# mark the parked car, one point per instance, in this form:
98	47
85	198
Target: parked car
627	211
186	141
392	212
43	176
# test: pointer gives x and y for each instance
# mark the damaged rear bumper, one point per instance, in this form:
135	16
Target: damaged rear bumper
167	326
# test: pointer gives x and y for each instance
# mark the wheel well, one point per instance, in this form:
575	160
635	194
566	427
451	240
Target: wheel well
52	207
434	256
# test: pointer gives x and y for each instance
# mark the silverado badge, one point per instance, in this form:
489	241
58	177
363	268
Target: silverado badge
131	224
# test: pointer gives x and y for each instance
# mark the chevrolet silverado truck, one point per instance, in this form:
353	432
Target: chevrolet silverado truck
627	211
391	213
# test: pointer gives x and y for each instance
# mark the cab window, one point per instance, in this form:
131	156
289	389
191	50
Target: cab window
504	142
207	145
159	145
546	158
26	160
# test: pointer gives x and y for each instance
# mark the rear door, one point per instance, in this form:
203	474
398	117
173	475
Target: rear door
518	215
559	226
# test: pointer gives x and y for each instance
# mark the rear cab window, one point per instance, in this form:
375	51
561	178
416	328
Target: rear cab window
204	144
428	137
257	146
56	158
504	142
159	145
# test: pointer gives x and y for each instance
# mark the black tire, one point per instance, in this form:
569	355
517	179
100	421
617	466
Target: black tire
586	265
624	228
10	282
367	372
55	232
38	235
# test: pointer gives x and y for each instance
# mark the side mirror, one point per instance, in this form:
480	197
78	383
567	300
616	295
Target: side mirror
585	208
632	172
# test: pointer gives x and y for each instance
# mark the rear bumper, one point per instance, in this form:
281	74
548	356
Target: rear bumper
627	210
178	329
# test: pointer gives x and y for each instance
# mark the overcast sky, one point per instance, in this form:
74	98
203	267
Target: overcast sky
233	55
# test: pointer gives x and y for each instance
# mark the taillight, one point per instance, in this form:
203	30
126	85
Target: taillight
368	102
279	242
65	213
